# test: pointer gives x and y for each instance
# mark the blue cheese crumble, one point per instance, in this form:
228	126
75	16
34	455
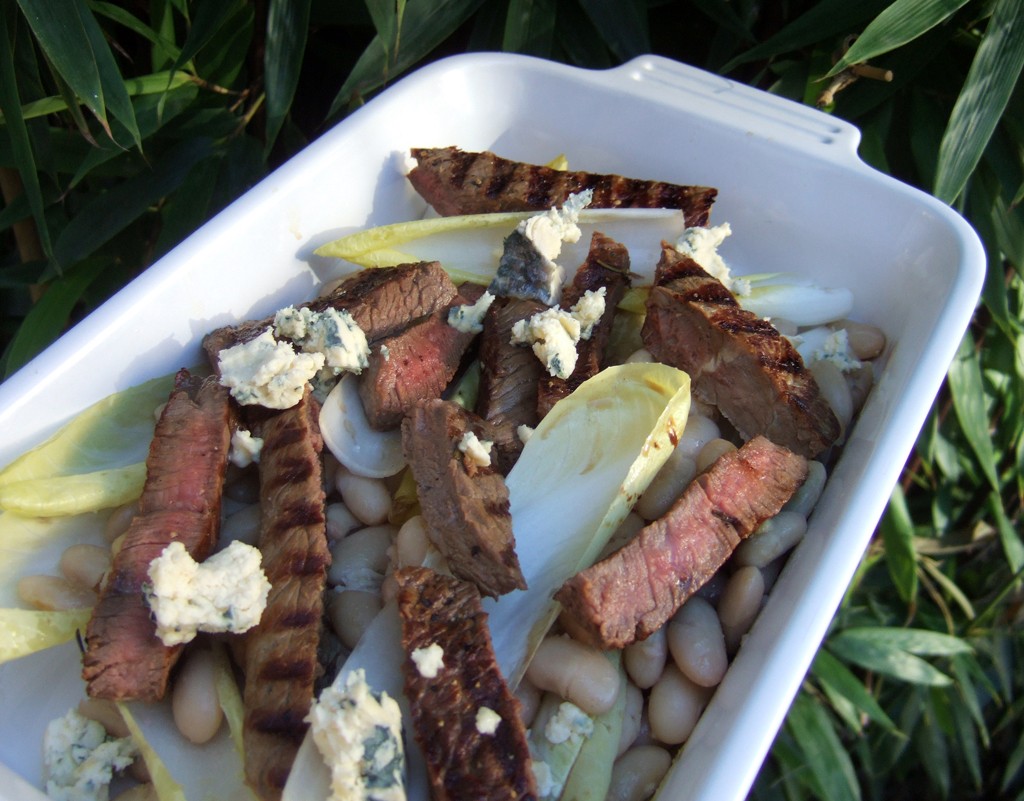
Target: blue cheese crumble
332	332
226	593
477	450
245	448
359	736
701	245
487	720
80	759
469	318
428	660
554	333
569	723
266	372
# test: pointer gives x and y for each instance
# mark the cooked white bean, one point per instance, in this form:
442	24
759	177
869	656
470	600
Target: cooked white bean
865	340
389	589
54	593
699	430
739	605
529	701
411	542
638	772
806	497
640	356
85	565
194	703
859	381
645	659
697	644
785	326
119	520
340	521
675	705
360	560
711	452
712	589
140	792
678	471
774	537
351	612
243	525
833	387
367	498
632	718
577	672
770	573
106	714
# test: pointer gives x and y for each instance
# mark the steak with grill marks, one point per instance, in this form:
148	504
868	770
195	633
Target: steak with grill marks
633	592
124	659
454	181
607	266
737	361
381	301
462	762
281	652
465	505
509	378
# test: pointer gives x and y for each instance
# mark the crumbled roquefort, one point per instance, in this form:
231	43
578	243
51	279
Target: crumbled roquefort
385	352
524	432
245	448
542	775
701	245
487	720
836	349
469	318
477	450
359	736
588	310
80	759
428	660
332	332
553	334
568	722
226	593
266	372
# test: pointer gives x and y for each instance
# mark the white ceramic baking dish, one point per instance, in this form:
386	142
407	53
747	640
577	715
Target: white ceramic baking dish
790	184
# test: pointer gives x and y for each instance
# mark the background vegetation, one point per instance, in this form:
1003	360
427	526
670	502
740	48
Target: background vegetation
126	125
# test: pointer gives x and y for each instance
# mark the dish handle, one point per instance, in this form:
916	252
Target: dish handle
754	111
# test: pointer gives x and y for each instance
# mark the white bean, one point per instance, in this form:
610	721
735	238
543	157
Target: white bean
712	589
106	714
645	659
360	560
640	356
675	705
774	537
340	521
54	593
697	643
835	390
699	430
243	525
678	471
739	605
85	565
806	497
785	326
865	340
367	498
529	696
711	452
632	718
194	703
638	772
411	543
351	612
119	520
577	672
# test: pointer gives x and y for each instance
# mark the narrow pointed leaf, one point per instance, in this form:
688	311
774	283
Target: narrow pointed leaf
825	755
530	27
287	26
622	24
990	83
897	531
922	642
206	24
838	681
970	400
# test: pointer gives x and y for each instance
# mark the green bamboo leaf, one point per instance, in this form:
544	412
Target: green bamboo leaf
822	21
209	19
921	642
724	15
1009	536
287	26
128	20
950	587
862	648
966	737
21	145
530	27
824	753
839	683
622	24
897	531
971	402
932	747
902	22
990	82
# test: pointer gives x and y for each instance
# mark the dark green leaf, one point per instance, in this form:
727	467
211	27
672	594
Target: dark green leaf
922	642
898	535
824	753
287	25
530	27
839	682
622	24
993	74
888	660
931	746
208	21
970	399
1009	535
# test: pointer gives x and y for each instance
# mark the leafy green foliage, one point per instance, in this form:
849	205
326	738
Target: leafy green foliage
126	126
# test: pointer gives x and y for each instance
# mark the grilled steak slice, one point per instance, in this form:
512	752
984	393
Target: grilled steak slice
382	302
124	659
633	592
462	761
509	377
737	361
281	652
607	265
465	505
413	365
454	181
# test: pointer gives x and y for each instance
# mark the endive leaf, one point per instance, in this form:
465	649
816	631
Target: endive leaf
25	631
800	303
60	496
167	789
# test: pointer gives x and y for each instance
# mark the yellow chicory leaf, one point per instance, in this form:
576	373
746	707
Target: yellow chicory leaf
25	631
58	496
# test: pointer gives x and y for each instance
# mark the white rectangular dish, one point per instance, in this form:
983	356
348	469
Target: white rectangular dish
791	186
